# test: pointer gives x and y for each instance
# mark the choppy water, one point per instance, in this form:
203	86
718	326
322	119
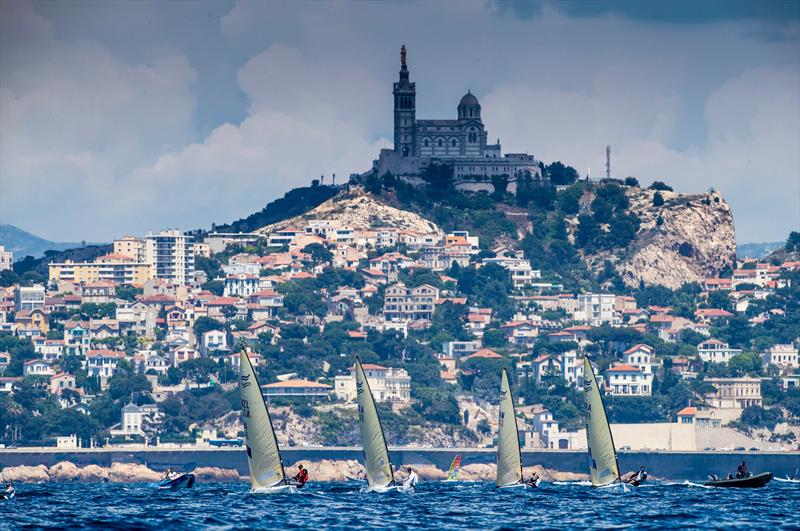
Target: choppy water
434	506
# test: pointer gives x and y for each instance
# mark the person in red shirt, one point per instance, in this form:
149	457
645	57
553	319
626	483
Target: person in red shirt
301	477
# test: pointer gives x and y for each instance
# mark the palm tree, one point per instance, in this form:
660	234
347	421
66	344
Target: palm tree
15	412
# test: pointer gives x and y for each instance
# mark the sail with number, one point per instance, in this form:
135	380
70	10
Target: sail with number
455	468
509	456
263	454
602	454
376	453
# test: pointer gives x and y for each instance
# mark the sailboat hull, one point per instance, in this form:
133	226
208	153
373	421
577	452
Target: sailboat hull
275	489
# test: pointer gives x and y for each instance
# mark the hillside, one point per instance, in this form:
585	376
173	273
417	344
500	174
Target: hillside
23	243
293	203
688	238
757	249
360	210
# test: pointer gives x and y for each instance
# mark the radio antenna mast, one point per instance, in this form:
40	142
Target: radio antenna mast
608	162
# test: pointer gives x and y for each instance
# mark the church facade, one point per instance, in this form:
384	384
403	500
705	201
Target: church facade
460	143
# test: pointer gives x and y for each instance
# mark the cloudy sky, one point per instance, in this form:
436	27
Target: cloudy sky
123	117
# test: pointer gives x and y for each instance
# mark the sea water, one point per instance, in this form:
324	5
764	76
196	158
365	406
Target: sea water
434	505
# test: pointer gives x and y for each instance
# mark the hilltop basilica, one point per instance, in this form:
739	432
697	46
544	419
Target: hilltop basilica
460	143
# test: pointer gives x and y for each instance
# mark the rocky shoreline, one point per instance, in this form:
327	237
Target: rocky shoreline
323	470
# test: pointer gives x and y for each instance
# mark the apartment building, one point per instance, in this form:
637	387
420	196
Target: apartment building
6	259
595	309
410	304
117	268
715	351
172	255
784	356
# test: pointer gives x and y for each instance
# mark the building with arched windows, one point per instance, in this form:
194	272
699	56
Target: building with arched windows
460	143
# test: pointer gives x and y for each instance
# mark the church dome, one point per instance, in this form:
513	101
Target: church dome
469	99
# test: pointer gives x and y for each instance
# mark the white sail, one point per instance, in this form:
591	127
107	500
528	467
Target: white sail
603	457
376	453
509	457
263	454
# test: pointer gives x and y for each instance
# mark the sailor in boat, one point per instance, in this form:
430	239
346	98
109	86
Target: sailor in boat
9	492
301	477
171	474
639	477
533	481
411	480
741	471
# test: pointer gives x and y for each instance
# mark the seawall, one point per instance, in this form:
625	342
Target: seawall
662	464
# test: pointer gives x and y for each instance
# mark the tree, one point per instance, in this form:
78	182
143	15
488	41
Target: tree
658	185
217	287
792	242
319	253
449	318
658	199
8	278
211	266
746	363
632	182
560	174
569	200
128	292
205	324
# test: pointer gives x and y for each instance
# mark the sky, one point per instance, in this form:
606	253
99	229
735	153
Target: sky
124	117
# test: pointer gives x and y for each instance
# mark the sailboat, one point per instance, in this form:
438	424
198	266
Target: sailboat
380	476
603	465
509	455
263	454
455	468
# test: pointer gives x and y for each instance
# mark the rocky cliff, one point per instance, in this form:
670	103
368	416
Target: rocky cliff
688	238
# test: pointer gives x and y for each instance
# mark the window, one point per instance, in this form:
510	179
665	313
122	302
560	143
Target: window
425	142
454	142
440	142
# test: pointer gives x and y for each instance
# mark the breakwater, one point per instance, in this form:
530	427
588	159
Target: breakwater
663	464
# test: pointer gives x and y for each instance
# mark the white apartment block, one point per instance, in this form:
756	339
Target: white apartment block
388	384
625	380
242	285
715	351
6	259
172	254
595	309
784	356
29	298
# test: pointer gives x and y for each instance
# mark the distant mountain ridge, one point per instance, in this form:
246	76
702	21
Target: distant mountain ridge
757	249
23	243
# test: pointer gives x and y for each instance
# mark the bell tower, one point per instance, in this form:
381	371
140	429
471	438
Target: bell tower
405	111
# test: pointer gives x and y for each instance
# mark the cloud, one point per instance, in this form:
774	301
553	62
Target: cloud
102	136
